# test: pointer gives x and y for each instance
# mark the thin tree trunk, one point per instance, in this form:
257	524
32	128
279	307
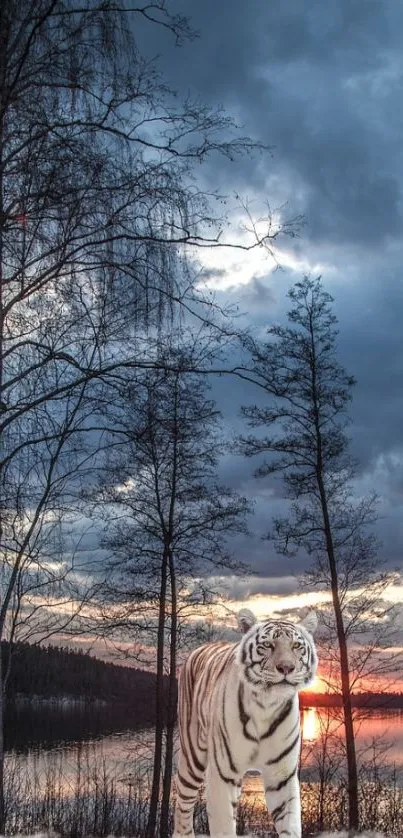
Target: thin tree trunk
2	806
159	709
171	709
4	36
352	773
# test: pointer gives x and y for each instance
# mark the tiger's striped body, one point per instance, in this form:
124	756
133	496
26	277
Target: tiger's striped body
239	710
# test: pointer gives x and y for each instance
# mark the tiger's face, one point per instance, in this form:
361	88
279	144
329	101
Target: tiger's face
277	652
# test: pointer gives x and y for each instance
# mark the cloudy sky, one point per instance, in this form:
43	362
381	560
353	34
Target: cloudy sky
322	84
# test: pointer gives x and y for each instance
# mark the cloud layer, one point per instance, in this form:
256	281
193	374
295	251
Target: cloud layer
322	86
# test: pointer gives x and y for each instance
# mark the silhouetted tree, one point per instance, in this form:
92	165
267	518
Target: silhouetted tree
96	197
307	444
168	525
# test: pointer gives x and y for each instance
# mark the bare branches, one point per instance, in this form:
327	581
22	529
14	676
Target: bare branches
308	395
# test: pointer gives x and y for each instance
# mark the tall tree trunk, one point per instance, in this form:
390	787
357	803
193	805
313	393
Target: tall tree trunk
4	37
2	806
171	708
352	773
159	708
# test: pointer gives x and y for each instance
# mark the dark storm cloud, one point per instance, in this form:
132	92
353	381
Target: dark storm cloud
368	304
370	313
369	307
258	297
243	588
321	83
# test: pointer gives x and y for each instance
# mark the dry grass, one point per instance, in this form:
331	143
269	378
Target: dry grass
92	800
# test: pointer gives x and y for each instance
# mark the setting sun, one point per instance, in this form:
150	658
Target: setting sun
318	685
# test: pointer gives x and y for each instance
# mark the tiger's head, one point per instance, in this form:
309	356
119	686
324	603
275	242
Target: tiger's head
277	652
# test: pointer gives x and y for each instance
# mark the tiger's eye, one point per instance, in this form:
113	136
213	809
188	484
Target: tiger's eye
297	645
269	645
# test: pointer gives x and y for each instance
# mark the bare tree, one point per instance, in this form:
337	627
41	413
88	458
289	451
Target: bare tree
97	196
168	523
308	394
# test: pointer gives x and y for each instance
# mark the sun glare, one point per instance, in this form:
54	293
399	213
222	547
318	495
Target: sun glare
310	724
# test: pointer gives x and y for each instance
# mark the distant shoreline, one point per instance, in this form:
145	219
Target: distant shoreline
370	701
55	677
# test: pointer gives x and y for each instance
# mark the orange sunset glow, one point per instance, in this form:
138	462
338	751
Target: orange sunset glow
328	680
222	617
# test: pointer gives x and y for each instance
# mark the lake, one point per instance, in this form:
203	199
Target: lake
45	740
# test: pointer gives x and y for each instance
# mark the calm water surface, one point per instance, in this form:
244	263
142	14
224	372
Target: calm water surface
63	741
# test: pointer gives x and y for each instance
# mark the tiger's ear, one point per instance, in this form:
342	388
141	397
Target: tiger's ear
310	622
245	619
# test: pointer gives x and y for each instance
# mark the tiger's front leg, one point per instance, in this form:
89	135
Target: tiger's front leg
284	800
189	780
222	801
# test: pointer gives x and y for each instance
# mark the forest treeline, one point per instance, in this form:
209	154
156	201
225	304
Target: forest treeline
364	700
58	672
55	672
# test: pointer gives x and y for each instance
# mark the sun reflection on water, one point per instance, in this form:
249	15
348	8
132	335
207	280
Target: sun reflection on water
310	724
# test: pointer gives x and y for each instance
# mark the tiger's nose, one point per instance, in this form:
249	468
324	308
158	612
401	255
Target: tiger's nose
285	668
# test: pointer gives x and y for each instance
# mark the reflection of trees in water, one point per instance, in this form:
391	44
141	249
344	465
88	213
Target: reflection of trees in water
48	725
323	734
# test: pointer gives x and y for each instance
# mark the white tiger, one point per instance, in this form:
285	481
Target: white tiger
238	709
